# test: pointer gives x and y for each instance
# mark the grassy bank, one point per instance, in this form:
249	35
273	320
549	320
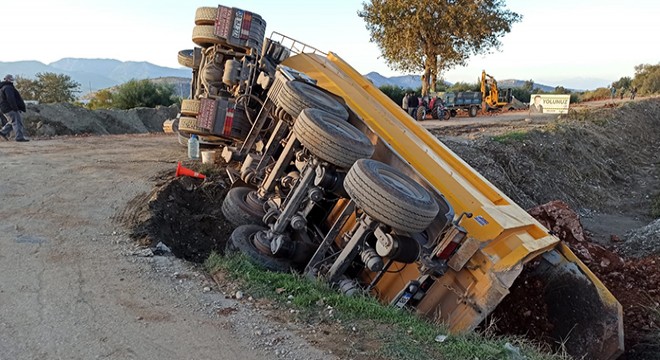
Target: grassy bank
400	334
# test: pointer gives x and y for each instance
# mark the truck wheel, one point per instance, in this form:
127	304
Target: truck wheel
204	36
243	239
189	125
420	114
186	58
331	138
453	113
434	113
242	207
190	107
206	15
296	96
446	115
473	111
389	196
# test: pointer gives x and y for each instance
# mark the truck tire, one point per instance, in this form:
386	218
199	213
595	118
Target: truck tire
296	96
189	125
242	238
239	208
420	114
453	113
434	113
390	197
186	58
206	15
204	36
446	115
331	138
190	107
473	111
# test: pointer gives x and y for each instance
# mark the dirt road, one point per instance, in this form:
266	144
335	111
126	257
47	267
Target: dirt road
71	285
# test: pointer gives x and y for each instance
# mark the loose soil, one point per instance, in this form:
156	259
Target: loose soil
183	213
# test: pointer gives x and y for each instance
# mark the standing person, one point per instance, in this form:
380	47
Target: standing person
413	103
404	102
633	92
613	91
11	103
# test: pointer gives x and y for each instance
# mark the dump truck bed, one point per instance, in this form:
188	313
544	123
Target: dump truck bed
507	237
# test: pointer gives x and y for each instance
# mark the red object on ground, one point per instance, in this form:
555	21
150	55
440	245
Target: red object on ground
183	171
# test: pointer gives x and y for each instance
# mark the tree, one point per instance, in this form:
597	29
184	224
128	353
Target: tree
435	35
56	88
624	83
101	100
465	86
143	93
528	85
28	88
395	93
647	78
48	88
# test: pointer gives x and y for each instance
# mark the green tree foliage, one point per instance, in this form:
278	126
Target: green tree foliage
624	83
394	92
28	88
143	93
522	93
432	36
465	86
529	86
48	88
101	100
647	79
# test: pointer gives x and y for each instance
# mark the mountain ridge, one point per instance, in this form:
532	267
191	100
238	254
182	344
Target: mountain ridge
101	73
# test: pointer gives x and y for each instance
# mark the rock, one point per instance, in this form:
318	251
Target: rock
162	249
143	253
441	338
206	289
280	290
238	295
513	352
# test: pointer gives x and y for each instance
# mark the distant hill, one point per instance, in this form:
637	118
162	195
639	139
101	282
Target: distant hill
94	74
405	81
513	83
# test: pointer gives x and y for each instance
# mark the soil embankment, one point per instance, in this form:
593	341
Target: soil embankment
45	120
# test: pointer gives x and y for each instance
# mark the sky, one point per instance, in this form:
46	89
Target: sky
574	43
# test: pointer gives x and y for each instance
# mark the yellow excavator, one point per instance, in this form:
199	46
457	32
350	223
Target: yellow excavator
494	98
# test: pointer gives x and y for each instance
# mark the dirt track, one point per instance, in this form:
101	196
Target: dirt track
72	286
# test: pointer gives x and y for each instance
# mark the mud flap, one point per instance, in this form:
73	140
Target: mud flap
586	317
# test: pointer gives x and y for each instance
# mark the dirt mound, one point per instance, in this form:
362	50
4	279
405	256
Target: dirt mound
634	282
69	119
642	242
590	160
182	213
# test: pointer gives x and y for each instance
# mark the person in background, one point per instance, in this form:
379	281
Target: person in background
633	92
11	104
404	102
413	103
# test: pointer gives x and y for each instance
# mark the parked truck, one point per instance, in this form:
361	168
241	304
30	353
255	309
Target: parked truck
332	179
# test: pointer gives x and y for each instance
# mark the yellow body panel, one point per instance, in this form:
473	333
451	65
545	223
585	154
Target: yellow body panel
509	236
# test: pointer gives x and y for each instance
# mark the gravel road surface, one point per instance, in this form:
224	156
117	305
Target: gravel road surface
73	286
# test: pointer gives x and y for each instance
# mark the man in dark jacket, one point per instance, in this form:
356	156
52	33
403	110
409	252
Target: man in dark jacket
11	104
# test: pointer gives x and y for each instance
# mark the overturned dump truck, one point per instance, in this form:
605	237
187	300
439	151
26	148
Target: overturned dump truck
330	178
